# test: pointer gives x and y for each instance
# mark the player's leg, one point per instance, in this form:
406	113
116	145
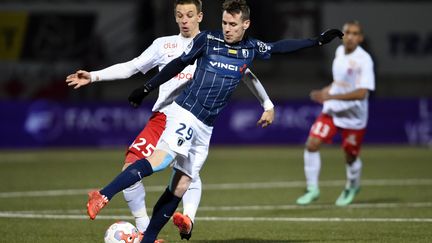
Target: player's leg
142	147
167	204
135	199
323	130
351	144
185	222
159	160
192	198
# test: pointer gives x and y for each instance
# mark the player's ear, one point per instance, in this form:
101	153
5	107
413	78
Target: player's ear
200	17
246	24
361	38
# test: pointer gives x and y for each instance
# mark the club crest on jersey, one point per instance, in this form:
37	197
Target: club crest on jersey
245	53
180	141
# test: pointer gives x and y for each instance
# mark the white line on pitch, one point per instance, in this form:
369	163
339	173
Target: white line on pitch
232	186
252	208
242	219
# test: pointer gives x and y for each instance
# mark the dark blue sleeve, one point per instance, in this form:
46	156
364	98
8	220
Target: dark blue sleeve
285	46
192	52
168	72
265	50
195	48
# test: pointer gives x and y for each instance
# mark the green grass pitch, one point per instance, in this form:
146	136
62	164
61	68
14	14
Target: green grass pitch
249	196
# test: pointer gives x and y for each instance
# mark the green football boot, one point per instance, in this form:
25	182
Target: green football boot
347	196
312	194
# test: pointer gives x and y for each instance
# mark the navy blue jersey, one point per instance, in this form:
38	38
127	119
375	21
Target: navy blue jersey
220	67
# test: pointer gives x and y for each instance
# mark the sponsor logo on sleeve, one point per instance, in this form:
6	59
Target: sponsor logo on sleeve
263	47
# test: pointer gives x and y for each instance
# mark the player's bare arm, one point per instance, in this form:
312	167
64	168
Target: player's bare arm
78	79
358	94
318	95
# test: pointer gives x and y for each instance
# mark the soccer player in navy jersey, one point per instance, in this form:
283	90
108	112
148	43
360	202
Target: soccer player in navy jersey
222	57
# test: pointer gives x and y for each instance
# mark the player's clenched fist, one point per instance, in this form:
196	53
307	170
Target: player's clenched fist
267	118
137	95
328	36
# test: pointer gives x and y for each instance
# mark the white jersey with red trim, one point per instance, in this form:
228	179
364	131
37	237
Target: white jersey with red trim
350	72
160	53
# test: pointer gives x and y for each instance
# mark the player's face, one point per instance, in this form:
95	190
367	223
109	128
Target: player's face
233	27
352	36
188	19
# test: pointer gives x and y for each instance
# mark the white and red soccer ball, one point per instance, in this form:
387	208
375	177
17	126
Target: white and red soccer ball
122	232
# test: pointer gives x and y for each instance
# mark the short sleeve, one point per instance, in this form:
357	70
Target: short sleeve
195	48
367	77
149	59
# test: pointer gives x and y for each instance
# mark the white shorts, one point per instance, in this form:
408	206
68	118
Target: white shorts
188	137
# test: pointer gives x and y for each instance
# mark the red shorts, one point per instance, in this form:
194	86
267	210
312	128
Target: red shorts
145	143
325	129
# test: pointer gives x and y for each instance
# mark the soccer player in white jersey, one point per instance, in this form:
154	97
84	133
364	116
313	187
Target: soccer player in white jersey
188	16
345	110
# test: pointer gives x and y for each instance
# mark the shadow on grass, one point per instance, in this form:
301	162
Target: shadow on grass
250	241
379	200
271	241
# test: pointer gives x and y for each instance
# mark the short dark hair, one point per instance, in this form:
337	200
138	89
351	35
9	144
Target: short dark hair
237	7
355	22
197	3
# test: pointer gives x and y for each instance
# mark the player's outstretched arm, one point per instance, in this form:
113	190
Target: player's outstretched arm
169	71
118	71
290	45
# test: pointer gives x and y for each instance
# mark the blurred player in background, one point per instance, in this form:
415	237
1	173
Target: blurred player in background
345	110
188	15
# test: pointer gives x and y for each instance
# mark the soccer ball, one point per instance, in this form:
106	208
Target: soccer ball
122	232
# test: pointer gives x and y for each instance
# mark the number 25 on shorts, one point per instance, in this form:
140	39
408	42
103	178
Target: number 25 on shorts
146	150
181	131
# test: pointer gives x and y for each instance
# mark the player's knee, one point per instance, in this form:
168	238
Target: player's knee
182	186
350	156
312	145
129	159
126	165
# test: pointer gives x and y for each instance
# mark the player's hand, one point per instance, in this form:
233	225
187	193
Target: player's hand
267	118
78	79
137	96
317	96
328	36
321	95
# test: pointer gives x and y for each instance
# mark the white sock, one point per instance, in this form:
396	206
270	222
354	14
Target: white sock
135	198
192	198
312	166
353	173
